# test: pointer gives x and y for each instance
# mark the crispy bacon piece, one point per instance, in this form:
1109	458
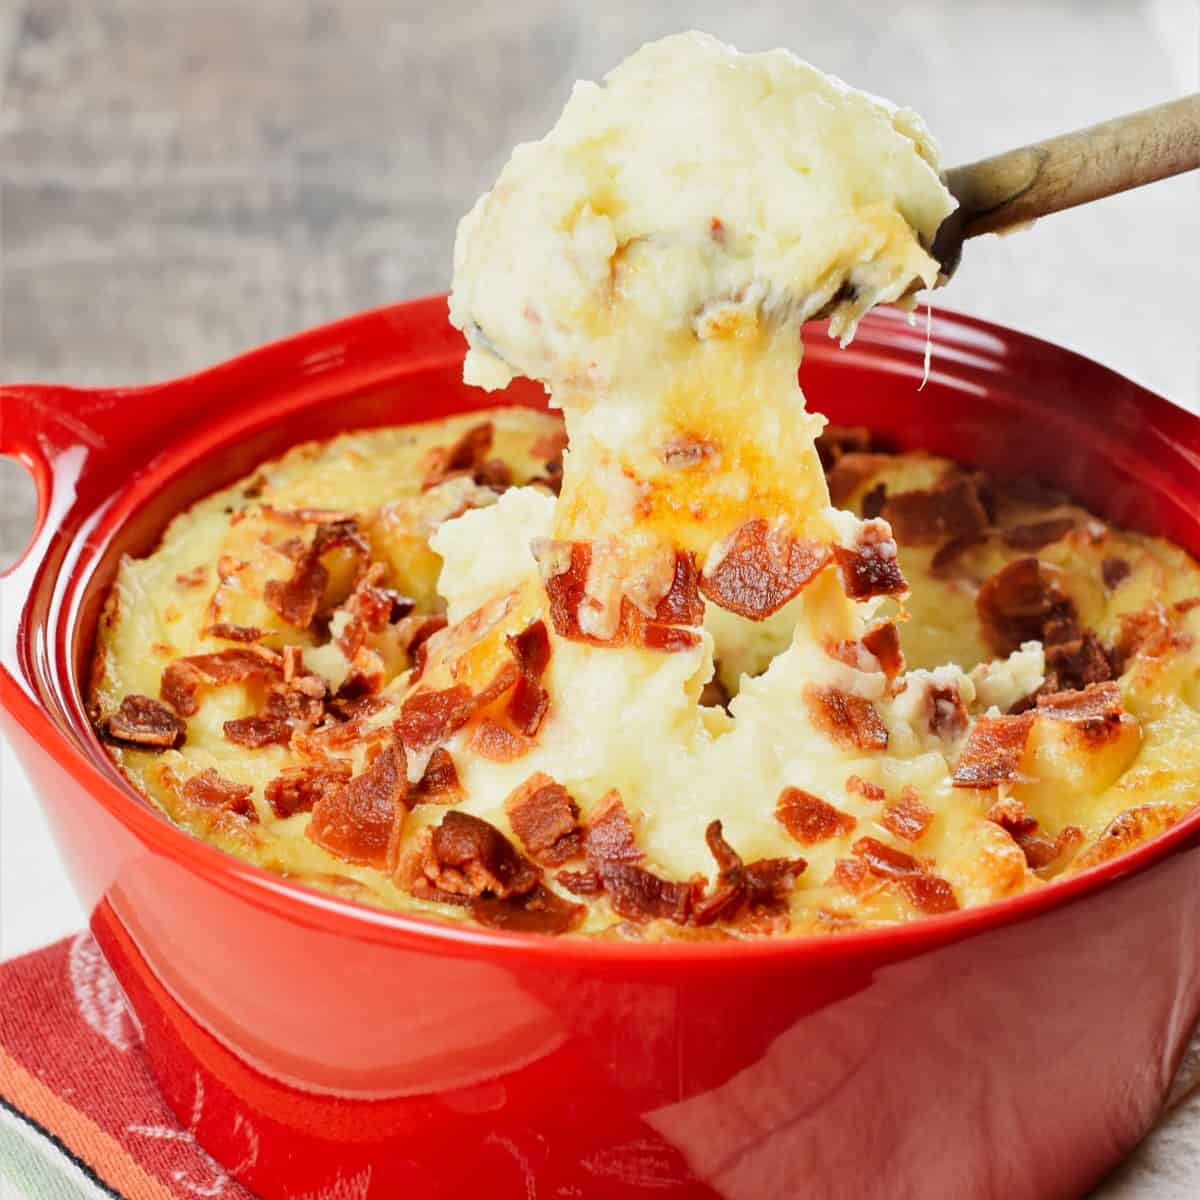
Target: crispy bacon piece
870	567
583	883
1037	534
908	818
1040	851
297	598
809	819
258	731
429	717
565	568
1076	664
1114	570
758	890
993	751
361	820
1021	603
850	472
1096	710
639	895
883	641
1147	632
858	786
529	702
925	516
835	441
498	743
297	789
609	837
546	819
212	790
144	722
537	911
927	893
439	784
470	857
233	633
760	570
849	721
469	456
183	677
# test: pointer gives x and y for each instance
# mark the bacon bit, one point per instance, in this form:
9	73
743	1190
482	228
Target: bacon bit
537	911
1037	534
716	230
1114	571
297	598
182	678
350	641
194	578
293	665
258	731
908	818
429	717
856	785
361	820
582	883
470	857
1076	664
926	516
993	751
927	893
609	836
809	819
546	819
836	441
851	875
1020	603
847	720
1096	710
639	895
944	563
228	567
144	722
497	743
1147	632
850	472
233	633
468	456
211	790
761	570
439	784
883	641
565	568
873	502
1040	851
549	447
870	567
1185	606
688	451
759	890
297	789
531	648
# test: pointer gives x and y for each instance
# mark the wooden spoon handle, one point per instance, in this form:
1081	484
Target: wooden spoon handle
1034	181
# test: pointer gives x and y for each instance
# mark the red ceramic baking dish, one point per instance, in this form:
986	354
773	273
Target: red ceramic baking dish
1016	1050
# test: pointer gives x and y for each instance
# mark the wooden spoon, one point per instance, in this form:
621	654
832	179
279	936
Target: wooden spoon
1013	189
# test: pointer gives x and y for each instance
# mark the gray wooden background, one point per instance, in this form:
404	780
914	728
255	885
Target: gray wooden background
181	180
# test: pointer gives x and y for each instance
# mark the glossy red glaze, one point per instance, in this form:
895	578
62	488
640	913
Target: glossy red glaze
1016	1050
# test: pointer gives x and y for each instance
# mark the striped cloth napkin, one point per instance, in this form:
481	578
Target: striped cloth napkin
81	1118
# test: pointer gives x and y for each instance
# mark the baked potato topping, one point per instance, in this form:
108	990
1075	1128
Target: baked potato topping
1029	707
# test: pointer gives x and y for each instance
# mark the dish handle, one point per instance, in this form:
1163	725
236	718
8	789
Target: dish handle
30	417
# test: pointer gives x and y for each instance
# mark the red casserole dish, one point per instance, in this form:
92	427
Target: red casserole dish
1015	1050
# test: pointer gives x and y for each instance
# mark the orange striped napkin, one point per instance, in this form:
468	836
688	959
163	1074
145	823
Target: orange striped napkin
80	1115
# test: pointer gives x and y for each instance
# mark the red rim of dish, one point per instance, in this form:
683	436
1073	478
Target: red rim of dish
89	765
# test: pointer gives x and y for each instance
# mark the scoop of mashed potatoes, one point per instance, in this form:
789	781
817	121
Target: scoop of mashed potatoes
669	694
